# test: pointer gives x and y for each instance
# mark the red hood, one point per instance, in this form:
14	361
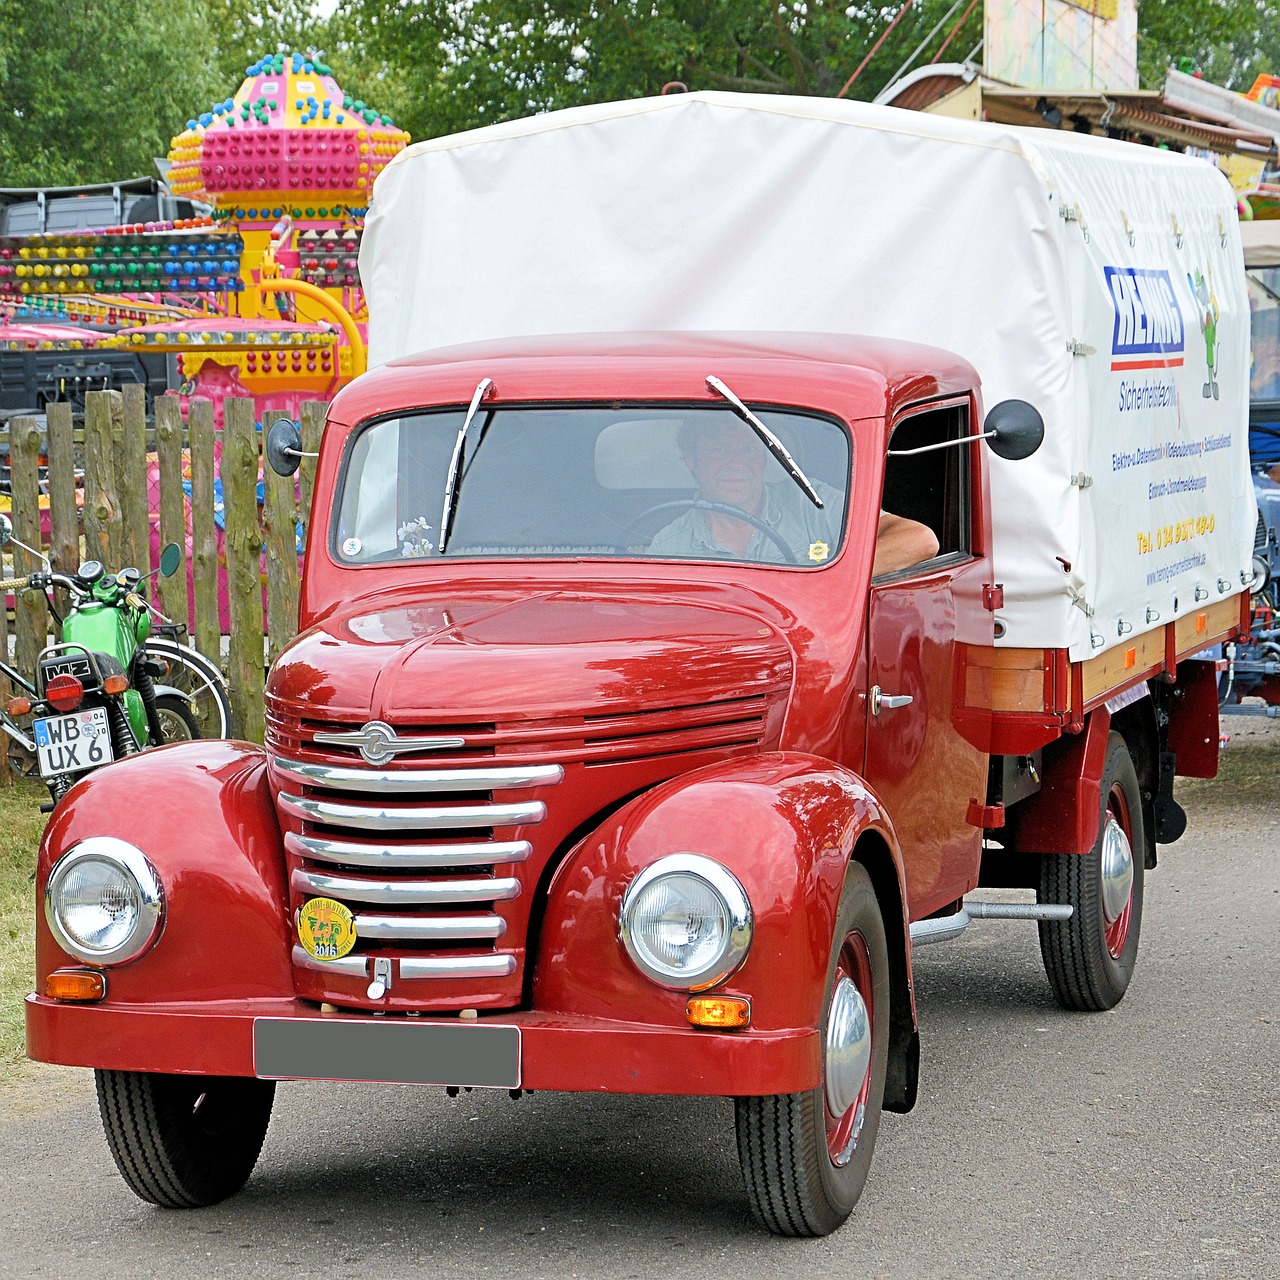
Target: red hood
494	655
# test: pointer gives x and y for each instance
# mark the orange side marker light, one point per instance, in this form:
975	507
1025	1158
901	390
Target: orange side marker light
76	984
719	1013
1130	658
1202	623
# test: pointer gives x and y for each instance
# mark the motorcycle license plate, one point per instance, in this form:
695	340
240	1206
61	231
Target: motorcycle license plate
74	743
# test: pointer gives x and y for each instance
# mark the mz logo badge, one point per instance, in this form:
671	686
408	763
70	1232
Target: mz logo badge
378	743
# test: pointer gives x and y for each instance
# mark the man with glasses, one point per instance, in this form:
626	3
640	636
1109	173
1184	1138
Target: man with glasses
728	461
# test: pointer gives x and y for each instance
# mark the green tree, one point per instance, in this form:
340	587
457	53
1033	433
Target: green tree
1231	41
456	64
91	90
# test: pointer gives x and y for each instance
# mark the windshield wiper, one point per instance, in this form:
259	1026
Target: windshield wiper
455	463
771	442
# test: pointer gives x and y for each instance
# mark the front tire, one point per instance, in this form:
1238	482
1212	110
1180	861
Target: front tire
184	1142
1090	957
805	1156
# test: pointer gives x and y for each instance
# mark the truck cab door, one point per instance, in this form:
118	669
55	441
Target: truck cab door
918	759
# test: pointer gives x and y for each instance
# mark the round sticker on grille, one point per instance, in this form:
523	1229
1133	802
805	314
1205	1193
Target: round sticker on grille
326	929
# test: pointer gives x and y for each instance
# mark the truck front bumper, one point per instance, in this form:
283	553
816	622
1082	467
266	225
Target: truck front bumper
290	1039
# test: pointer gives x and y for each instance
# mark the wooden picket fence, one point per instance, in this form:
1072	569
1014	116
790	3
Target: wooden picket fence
113	490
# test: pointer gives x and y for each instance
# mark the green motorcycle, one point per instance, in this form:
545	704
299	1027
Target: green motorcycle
103	691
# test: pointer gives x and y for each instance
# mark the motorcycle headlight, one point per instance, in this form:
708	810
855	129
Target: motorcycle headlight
103	902
686	922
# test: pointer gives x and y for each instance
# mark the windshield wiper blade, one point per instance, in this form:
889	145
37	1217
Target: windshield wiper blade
484	388
771	442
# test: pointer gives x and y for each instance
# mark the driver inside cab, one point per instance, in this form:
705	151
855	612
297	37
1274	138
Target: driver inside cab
727	460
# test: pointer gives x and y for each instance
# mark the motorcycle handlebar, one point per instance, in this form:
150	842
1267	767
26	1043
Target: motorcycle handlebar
14	584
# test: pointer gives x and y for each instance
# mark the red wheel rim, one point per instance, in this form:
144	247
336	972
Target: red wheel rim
843	1131
1117	932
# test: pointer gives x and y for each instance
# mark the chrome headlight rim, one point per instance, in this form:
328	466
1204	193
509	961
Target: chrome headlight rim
737	906
133	862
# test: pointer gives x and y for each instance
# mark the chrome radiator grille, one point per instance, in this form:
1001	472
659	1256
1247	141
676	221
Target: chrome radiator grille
416	855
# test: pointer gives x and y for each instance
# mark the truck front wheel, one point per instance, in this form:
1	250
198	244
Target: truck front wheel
1090	957
805	1156
183	1142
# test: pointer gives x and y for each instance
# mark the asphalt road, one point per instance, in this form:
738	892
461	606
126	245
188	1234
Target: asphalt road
1143	1142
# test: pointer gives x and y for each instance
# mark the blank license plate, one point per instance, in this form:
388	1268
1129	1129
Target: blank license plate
74	743
399	1052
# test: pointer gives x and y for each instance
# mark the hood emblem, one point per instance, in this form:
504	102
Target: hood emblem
378	742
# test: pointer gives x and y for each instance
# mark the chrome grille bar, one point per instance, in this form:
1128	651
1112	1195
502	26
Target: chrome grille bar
405	892
352	854
497	966
435	818
429	928
400	781
352	966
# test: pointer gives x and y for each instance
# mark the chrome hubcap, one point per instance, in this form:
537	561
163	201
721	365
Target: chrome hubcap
848	1047
1117	870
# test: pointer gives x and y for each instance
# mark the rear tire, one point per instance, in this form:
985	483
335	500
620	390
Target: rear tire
805	1156
1090	958
183	1142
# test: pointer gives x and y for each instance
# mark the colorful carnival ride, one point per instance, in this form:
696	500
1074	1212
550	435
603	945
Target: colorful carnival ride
260	298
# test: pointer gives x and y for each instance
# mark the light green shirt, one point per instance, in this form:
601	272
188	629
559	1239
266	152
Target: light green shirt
812	533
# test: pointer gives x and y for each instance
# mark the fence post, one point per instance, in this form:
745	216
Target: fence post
204	542
280	518
101	504
133	482
6	776
31	614
239	472
313	416
64	518
173	519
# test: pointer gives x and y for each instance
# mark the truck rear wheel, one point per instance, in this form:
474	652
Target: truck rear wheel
183	1142
1090	958
805	1156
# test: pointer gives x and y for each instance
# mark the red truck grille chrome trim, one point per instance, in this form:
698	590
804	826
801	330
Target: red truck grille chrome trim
413	854
380	818
349	853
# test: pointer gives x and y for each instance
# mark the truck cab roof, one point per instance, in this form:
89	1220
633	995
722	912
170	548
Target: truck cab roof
853	376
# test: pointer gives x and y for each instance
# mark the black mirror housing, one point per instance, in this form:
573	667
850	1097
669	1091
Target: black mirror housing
1016	429
284	447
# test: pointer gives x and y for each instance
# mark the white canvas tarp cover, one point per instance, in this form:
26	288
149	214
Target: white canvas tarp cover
1101	281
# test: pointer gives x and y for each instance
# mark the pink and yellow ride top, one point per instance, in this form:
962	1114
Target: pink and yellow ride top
289	164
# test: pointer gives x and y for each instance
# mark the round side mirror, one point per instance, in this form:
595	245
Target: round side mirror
1018	429
6	530
170	559
284	447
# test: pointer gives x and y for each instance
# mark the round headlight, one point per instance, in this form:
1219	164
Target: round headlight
103	901
686	922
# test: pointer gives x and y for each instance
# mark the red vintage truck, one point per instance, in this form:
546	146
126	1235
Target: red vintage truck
617	751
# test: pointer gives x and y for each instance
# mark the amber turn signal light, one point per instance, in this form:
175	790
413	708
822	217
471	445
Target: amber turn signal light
75	984
719	1013
115	684
19	706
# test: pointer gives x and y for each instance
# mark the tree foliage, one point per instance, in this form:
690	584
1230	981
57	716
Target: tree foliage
461	63
92	89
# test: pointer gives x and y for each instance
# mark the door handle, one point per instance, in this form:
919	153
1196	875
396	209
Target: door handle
887	701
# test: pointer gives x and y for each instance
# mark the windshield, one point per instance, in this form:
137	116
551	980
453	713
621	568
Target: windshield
1264	375
1264	304
656	481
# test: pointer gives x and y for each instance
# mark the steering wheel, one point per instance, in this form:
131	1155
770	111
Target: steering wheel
719	508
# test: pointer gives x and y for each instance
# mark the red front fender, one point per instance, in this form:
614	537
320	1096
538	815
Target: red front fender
786	825
202	813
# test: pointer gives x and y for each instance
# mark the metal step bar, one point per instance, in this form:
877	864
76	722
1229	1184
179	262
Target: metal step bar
944	928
